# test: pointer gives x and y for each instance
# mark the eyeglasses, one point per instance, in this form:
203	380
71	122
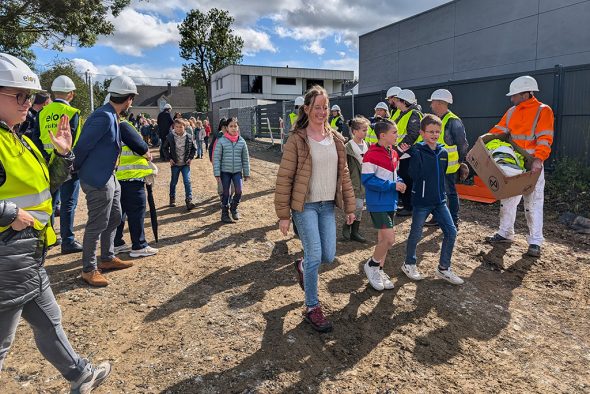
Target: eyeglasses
21	98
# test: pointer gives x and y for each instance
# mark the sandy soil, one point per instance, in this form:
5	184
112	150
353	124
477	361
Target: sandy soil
218	310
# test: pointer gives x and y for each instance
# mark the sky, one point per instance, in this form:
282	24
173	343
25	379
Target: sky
298	33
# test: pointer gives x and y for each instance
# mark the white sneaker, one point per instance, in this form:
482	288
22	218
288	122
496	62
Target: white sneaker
387	283
147	251
122	248
411	271
449	276
374	276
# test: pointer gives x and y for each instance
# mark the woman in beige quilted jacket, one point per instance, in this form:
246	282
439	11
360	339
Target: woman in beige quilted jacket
313	178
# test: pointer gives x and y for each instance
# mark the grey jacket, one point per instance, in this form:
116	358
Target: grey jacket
22	253
231	157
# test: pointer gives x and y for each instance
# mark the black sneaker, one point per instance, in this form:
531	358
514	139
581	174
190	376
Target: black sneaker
299	268
316	318
498	239
404	212
431	223
534	251
75	247
91	378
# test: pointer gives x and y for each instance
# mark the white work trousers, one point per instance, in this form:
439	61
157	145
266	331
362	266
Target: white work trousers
533	211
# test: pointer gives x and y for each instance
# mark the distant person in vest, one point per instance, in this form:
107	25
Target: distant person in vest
408	131
381	112
30	125
293	115
133	167
454	140
530	125
97	155
393	101
337	122
165	122
63	89
25	230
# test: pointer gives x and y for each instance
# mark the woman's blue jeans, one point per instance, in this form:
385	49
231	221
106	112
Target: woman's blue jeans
317	230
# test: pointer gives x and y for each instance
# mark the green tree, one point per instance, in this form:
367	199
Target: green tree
54	24
191	78
208	43
82	97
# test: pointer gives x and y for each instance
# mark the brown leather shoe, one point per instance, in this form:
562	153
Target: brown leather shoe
94	278
114	264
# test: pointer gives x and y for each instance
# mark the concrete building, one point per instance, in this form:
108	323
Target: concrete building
240	86
151	99
467	39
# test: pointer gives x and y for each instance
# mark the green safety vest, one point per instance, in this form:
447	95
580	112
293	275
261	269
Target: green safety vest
453	165
402	124
132	165
395	115
333	122
371	137
27	181
514	157
49	118
293	119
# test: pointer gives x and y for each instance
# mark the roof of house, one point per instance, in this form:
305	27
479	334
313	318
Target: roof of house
181	96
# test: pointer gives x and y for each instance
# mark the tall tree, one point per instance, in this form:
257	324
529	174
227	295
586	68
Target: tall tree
191	77
54	24
208	43
82	96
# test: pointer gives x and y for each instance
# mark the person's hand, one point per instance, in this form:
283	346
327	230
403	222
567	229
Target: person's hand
62	139
350	218
404	147
537	165
171	163
284	226
188	162
22	221
463	172
400	187
218	178
149	156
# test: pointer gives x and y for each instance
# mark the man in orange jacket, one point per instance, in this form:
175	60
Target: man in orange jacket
530	124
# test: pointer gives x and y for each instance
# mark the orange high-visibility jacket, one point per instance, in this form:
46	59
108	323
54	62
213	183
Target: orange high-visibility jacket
530	125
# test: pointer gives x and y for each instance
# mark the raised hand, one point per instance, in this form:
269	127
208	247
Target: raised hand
62	139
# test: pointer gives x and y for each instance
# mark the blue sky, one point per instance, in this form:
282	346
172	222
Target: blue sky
298	33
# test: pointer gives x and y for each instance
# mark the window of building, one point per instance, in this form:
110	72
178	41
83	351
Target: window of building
286	81
220	83
251	84
312	82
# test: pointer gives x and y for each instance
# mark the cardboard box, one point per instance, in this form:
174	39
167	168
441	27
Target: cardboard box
500	185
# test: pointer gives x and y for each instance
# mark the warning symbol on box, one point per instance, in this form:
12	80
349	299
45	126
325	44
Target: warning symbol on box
494	184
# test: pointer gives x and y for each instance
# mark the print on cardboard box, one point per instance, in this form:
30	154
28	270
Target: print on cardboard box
500	185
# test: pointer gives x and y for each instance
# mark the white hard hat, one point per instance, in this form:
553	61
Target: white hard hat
107	99
382	105
167	106
299	101
335	108
442	95
122	85
407	95
393	92
63	84
14	73
526	83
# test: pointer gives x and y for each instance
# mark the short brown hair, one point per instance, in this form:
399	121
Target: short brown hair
429	119
180	121
382	125
358	122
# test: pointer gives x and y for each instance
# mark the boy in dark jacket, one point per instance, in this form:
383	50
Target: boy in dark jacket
178	148
428	166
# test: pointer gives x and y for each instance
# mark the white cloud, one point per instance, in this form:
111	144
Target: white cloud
255	41
315	47
135	32
347	64
142	74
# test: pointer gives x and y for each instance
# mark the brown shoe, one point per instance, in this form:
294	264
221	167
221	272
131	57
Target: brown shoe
94	278
114	264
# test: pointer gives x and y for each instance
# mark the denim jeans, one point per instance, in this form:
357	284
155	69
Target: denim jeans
317	230
443	217
452	197
55	201
199	144
185	170
44	316
133	207
227	179
70	190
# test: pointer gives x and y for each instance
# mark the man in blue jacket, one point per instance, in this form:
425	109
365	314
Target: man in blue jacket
97	155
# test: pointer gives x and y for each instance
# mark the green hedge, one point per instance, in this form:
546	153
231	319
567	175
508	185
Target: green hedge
568	188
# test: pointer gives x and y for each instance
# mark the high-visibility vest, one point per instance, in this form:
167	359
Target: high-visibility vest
402	124
334	121
49	118
453	163
371	137
132	165
293	119
395	115
27	181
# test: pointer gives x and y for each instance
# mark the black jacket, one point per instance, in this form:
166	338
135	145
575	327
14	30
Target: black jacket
165	121
428	169
169	148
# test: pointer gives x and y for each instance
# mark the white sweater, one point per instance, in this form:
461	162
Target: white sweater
324	170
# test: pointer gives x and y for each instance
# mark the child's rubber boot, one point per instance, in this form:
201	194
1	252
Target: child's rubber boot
234	211
190	205
354	234
225	215
346	229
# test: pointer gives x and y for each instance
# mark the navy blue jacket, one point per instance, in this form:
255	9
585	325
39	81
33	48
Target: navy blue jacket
428	169
98	147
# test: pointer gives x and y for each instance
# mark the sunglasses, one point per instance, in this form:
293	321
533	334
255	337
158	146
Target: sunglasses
21	98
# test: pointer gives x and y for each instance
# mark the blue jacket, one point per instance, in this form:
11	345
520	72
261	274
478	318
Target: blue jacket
98	147
428	170
379	176
231	157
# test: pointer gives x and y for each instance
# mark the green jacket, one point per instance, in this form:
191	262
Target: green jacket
355	169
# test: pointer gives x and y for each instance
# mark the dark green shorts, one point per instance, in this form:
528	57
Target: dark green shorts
382	219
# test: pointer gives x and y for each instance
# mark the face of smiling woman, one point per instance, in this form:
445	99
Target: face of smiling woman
317	111
11	111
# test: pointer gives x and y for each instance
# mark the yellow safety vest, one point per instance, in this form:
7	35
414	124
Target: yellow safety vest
334	121
27	181
453	164
132	165
49	117
293	119
395	115
402	124
371	137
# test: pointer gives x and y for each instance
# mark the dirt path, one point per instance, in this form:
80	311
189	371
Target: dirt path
218	310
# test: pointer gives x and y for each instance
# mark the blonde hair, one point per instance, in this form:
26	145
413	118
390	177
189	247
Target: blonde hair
198	123
358	122
308	101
